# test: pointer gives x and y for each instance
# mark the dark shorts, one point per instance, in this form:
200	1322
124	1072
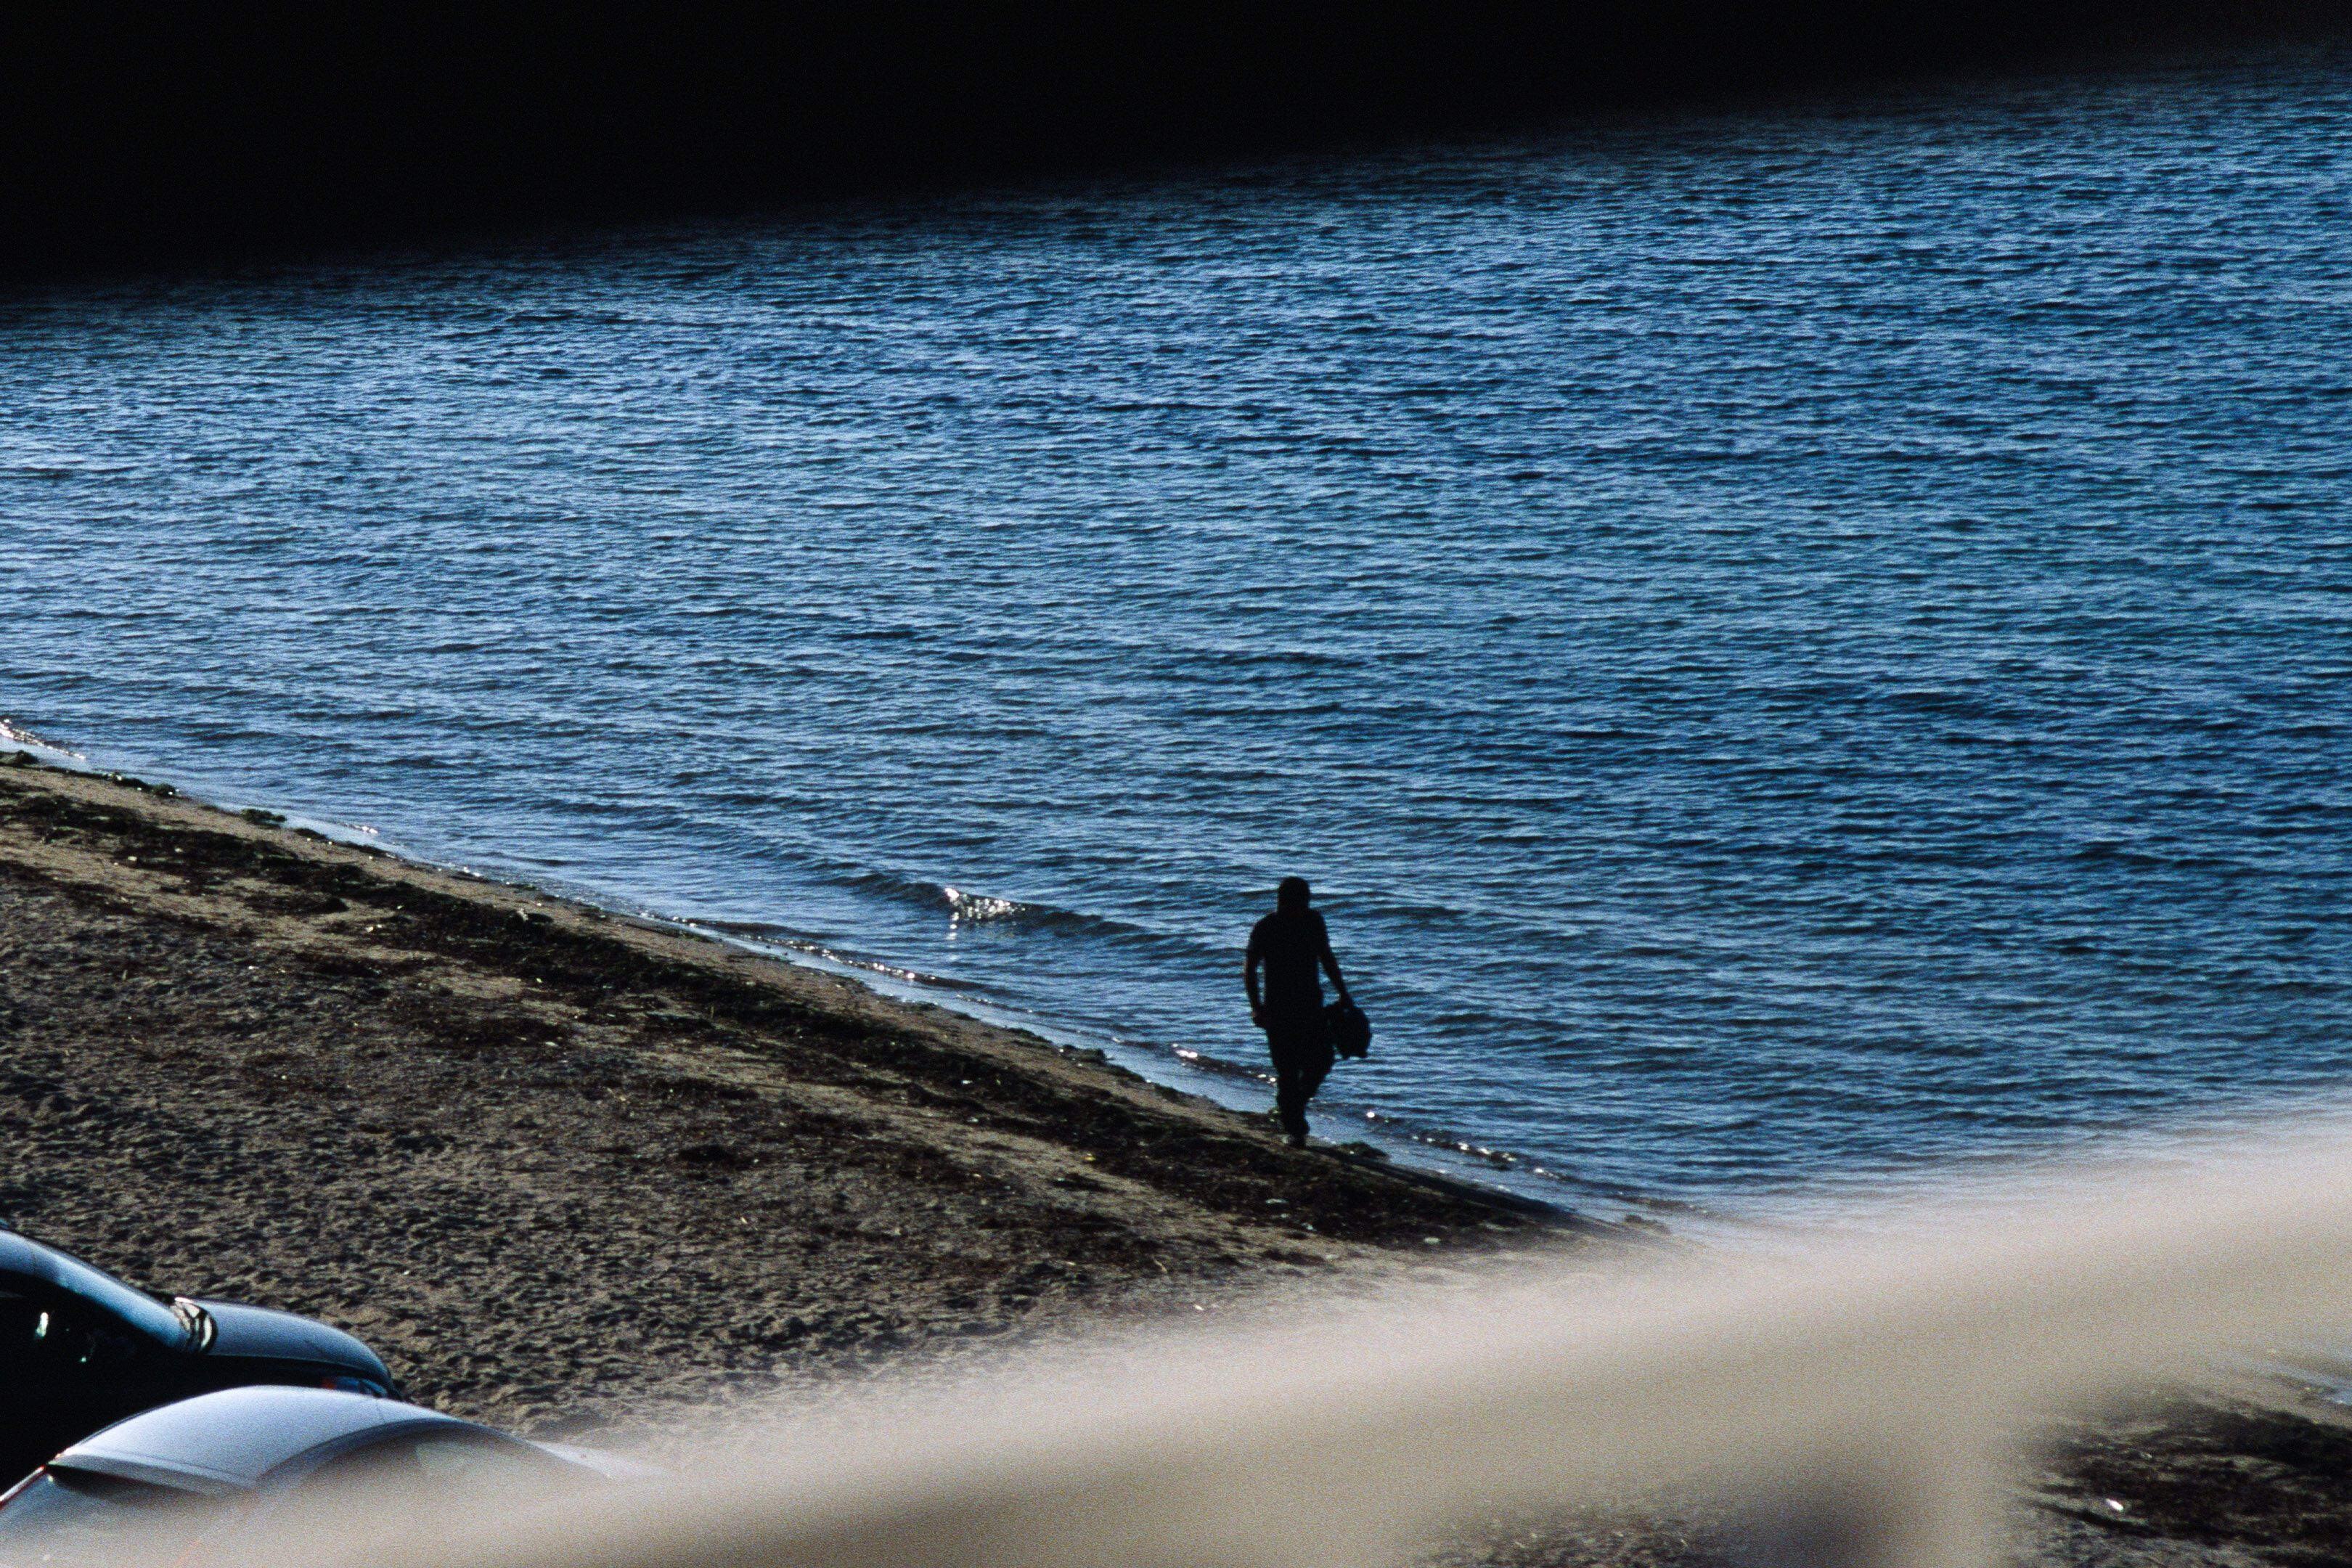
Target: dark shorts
1297	1033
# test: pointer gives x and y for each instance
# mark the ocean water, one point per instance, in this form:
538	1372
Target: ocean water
1796	645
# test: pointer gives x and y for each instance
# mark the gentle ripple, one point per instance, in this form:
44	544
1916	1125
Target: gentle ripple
1792	643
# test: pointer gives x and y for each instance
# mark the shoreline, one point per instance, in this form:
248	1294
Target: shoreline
1206	1076
271	1024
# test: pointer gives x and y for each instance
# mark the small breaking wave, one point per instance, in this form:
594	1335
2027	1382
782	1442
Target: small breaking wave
977	907
14	735
969	907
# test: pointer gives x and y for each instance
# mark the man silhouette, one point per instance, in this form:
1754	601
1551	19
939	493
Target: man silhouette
1290	944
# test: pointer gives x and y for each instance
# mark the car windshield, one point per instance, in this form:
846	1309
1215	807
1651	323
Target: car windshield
64	1519
138	1309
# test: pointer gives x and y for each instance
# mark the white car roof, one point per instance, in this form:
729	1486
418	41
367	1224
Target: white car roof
233	1439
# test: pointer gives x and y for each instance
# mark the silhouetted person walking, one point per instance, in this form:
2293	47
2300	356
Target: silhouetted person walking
1290	944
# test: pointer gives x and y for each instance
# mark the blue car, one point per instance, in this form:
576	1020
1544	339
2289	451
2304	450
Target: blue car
189	1482
80	1350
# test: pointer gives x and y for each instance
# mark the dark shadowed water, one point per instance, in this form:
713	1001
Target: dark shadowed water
1791	644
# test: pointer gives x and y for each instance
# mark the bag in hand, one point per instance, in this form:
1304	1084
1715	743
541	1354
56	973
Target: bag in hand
1352	1032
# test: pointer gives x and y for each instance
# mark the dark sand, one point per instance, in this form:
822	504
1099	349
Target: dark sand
566	1170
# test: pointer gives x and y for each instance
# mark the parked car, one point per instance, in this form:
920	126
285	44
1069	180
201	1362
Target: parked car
80	1350
186	1483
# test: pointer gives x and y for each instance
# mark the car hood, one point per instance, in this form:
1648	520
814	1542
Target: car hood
262	1332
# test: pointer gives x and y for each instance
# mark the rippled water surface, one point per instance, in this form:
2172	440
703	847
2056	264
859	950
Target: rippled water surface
1791	644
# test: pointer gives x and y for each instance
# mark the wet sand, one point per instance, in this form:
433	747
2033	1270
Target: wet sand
566	1170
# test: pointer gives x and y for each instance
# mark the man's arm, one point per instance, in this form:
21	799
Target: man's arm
1331	967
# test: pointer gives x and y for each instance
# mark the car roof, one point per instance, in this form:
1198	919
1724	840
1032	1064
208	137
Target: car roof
232	1440
20	1254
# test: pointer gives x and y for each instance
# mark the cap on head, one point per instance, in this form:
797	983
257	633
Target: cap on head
1291	894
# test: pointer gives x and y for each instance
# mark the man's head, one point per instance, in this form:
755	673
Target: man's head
1291	894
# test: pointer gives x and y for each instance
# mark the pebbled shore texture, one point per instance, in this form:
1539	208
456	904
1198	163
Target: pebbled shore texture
567	1170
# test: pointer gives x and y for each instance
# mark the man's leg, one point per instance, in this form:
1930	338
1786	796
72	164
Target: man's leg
1293	1082
1314	1067
1290	1096
1301	1075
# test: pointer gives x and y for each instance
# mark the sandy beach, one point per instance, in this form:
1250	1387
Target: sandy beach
569	1171
553	1163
